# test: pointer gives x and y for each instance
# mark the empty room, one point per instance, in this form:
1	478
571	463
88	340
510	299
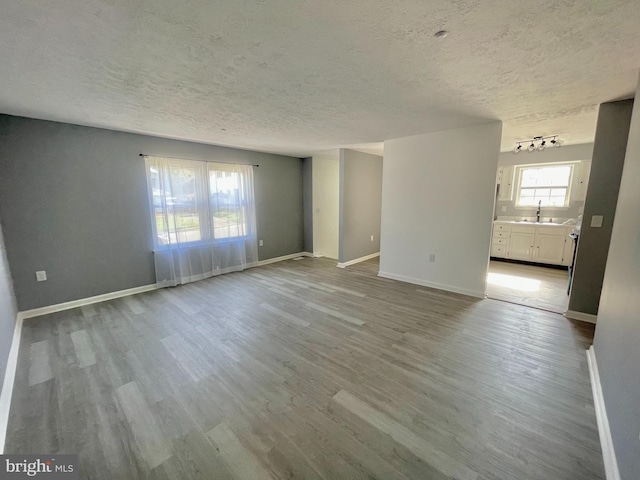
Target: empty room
320	240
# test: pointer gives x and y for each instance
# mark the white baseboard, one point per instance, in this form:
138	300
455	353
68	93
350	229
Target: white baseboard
283	258
439	286
7	386
358	260
585	317
59	307
608	452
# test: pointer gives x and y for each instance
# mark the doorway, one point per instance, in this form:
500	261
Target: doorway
537	214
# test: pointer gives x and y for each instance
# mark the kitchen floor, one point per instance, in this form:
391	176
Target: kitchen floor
533	286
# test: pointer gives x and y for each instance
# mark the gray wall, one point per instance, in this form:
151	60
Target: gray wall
74	203
617	336
360	204
307	202
609	151
8	309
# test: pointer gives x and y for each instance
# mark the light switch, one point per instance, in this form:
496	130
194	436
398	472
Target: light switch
596	221
261	243
41	275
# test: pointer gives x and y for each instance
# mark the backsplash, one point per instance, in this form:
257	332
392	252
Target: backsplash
559	220
559	215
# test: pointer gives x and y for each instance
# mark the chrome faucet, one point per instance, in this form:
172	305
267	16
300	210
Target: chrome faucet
538	212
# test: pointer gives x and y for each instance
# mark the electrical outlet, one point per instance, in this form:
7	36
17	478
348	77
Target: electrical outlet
372	238
503	208
261	243
432	257
41	275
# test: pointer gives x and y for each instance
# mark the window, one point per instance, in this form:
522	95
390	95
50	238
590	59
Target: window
202	217
548	184
198	201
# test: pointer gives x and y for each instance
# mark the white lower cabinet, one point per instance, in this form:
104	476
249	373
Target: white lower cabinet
549	244
521	246
549	247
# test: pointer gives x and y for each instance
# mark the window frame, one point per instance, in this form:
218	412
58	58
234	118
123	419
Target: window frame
207	231
518	184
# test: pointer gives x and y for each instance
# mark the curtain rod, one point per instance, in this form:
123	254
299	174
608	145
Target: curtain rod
193	160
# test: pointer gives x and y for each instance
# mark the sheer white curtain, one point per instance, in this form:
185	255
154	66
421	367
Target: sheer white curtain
203	219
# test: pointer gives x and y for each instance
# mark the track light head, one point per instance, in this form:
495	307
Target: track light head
538	143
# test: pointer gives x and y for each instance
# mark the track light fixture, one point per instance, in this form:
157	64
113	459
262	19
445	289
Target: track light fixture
537	144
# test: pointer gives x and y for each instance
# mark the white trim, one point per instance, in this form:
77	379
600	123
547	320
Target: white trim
358	260
9	378
608	451
439	286
282	258
36	312
518	169
585	317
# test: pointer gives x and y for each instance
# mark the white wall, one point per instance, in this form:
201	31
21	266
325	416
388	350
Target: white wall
568	153
438	192
326	204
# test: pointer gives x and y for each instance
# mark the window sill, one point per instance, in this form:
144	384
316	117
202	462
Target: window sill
519	207
206	243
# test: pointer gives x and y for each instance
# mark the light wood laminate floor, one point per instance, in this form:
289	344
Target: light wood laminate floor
530	285
303	370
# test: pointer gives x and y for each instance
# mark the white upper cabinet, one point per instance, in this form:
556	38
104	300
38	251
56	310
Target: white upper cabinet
505	180
582	180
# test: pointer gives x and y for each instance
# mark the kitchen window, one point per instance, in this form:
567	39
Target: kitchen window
547	185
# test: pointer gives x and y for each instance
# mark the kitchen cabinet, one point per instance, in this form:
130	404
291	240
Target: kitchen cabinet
547	244
505	180
582	178
521	246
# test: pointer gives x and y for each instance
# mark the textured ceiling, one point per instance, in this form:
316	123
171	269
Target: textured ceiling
301	76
